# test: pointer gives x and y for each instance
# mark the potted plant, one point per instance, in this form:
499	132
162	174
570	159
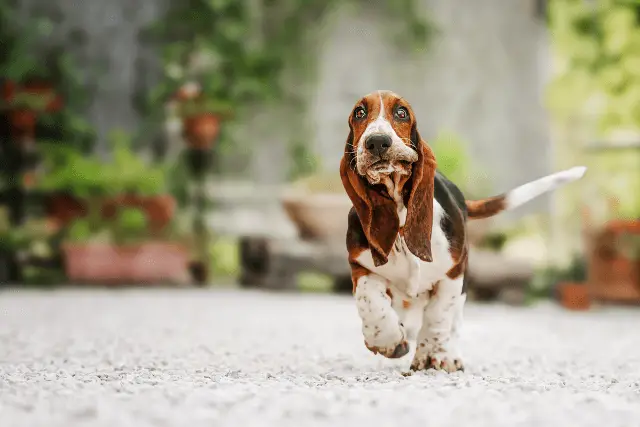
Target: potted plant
571	286
75	180
201	113
121	250
25	102
23	243
613	265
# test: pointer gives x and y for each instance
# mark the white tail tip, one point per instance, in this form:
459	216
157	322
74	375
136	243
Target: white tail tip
533	189
575	173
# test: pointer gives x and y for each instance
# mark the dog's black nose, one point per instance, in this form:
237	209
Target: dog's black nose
378	144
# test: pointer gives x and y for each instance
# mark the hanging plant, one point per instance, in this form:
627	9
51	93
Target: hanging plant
24	103
201	115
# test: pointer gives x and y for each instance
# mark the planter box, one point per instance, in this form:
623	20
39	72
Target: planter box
153	262
612	276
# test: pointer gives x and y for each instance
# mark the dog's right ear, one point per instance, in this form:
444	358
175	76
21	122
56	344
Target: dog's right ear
377	213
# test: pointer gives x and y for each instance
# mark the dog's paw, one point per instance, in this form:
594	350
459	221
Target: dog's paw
396	352
440	360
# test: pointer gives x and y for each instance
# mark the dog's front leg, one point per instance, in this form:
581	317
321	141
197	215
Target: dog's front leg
437	345
381	327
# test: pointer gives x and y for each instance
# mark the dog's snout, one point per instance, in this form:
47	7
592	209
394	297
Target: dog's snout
378	144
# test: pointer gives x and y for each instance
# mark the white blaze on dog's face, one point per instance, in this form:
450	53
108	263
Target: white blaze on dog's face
382	124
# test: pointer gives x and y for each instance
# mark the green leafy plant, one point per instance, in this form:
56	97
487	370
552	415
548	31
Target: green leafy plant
23	237
69	170
30	101
130	226
204	103
597	44
495	241
129	172
455	163
545	280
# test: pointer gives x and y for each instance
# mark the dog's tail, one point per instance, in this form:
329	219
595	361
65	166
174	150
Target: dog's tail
485	208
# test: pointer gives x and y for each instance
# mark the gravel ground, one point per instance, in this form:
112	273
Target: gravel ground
230	358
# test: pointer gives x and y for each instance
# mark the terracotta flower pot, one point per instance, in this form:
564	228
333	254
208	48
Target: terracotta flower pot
201	130
574	296
23	123
64	208
160	210
151	262
613	277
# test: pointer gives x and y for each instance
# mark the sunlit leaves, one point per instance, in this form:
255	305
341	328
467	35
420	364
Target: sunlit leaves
600	43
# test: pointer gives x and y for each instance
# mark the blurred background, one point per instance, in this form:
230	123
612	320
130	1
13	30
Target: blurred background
197	142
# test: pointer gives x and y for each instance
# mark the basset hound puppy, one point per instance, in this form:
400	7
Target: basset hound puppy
406	237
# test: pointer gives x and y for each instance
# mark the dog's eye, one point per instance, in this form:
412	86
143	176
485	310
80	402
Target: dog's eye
359	113
402	113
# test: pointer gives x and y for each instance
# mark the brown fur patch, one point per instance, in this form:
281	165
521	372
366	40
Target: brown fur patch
389	293
434	290
357	271
418	226
459	267
485	208
406	304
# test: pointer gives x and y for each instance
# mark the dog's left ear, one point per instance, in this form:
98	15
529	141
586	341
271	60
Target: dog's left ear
417	228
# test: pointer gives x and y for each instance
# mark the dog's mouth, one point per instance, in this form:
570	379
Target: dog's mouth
384	167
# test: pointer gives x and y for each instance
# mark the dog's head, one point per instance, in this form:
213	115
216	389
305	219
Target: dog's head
384	153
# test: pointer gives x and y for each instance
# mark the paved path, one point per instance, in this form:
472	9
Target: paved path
230	359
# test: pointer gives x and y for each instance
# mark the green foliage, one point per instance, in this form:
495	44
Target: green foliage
303	161
455	163
545	280
80	230
224	257
34	102
495	241
69	170
311	282
598	44
129	172
130	226
22	238
201	105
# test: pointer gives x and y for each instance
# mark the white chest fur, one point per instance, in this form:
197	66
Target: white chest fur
408	273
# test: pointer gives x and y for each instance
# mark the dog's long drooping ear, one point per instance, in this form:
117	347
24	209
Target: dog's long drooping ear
376	212
417	229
